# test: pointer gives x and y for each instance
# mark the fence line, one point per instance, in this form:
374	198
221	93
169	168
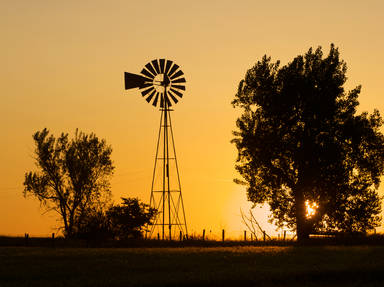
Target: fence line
246	237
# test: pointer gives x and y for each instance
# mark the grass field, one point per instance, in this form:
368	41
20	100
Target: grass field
193	266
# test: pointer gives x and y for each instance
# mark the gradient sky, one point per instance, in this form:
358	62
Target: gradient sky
62	65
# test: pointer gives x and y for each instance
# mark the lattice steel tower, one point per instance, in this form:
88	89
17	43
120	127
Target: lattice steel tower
162	83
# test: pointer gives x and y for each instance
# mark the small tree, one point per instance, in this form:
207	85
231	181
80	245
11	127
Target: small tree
129	218
95	226
300	142
73	176
122	221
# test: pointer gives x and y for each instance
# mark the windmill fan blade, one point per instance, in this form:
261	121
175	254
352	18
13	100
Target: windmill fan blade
180	80
147	91
146	73
178	74
155	76
150	96
162	63
168	66
146	85
175	100
156	66
134	81
156	99
179	87
151	69
173	69
177	93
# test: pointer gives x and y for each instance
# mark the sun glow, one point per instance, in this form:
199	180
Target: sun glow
311	208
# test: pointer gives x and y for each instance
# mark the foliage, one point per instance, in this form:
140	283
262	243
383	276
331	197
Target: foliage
129	218
122	221
73	177
95	226
299	138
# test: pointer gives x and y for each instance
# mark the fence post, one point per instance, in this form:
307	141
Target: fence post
264	236
181	236
203	234
223	235
251	237
285	233
158	236
245	235
53	240
26	236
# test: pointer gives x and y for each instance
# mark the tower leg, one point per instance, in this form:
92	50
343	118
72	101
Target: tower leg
166	194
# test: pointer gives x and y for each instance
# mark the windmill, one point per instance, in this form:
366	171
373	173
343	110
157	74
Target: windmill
162	84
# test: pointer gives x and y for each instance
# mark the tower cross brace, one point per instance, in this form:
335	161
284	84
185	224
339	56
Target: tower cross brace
166	194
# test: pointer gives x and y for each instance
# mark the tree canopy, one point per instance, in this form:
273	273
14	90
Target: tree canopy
301	144
120	221
73	176
129	218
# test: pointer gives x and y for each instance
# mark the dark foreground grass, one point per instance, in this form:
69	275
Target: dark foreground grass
193	266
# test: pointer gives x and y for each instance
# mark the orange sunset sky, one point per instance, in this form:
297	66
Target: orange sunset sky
62	65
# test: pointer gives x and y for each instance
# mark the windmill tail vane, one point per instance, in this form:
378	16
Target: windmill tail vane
162	83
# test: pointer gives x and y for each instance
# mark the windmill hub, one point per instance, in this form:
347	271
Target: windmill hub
160	82
166	80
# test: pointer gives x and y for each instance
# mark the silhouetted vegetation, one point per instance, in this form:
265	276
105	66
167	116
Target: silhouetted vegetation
339	239
300	141
73	177
122	221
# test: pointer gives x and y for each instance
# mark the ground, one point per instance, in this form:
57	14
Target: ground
193	266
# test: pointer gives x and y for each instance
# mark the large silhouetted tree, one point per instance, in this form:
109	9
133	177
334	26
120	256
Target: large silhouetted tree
300	141
73	176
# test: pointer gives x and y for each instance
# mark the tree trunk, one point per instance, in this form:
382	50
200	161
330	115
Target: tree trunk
302	228
70	229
